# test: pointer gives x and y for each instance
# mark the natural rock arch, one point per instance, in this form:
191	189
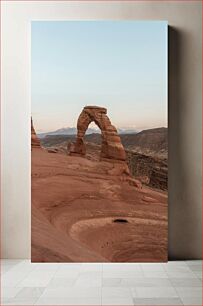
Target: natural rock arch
111	148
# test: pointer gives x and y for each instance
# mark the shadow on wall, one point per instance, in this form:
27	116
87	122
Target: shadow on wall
183	212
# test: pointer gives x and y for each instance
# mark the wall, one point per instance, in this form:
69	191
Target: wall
184	113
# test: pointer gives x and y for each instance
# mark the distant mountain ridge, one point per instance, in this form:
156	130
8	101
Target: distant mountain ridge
155	140
73	131
66	131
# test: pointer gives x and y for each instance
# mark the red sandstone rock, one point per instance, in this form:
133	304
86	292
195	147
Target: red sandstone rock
143	179
134	182
35	143
119	169
112	147
53	150
75	203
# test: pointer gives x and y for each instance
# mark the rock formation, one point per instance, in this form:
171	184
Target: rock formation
35	143
151	171
81	213
111	148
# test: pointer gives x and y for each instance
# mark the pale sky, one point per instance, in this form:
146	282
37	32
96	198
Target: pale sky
120	65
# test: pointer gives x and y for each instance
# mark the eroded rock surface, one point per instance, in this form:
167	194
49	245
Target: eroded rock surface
112	147
35	143
75	202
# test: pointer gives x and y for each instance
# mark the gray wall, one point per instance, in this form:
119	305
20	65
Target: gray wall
184	19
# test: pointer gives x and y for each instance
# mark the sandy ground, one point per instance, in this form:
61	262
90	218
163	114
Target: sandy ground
82	214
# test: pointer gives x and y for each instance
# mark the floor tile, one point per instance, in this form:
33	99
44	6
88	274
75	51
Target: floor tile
185	282
155	274
196	268
157	301
175	263
116	292
68	271
90	278
61	282
172	283
15	275
69	301
198	274
147	282
121	267
192	301
155	292
117	301
152	267
90	274
4	301
73	292
193	262
21	301
112	282
6	268
37	279
30	292
11	261
178	274
123	274
91	267
9	292
94	282
46	267
189	291
177	268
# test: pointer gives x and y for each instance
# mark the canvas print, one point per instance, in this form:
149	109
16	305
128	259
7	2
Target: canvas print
99	146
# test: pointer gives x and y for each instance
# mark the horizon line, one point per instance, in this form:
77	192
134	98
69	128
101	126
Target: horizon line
138	130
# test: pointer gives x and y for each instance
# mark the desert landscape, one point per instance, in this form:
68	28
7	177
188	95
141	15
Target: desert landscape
99	197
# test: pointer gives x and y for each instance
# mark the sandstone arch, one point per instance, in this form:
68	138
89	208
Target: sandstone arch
112	147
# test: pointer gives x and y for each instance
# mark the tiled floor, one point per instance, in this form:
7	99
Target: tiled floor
172	283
